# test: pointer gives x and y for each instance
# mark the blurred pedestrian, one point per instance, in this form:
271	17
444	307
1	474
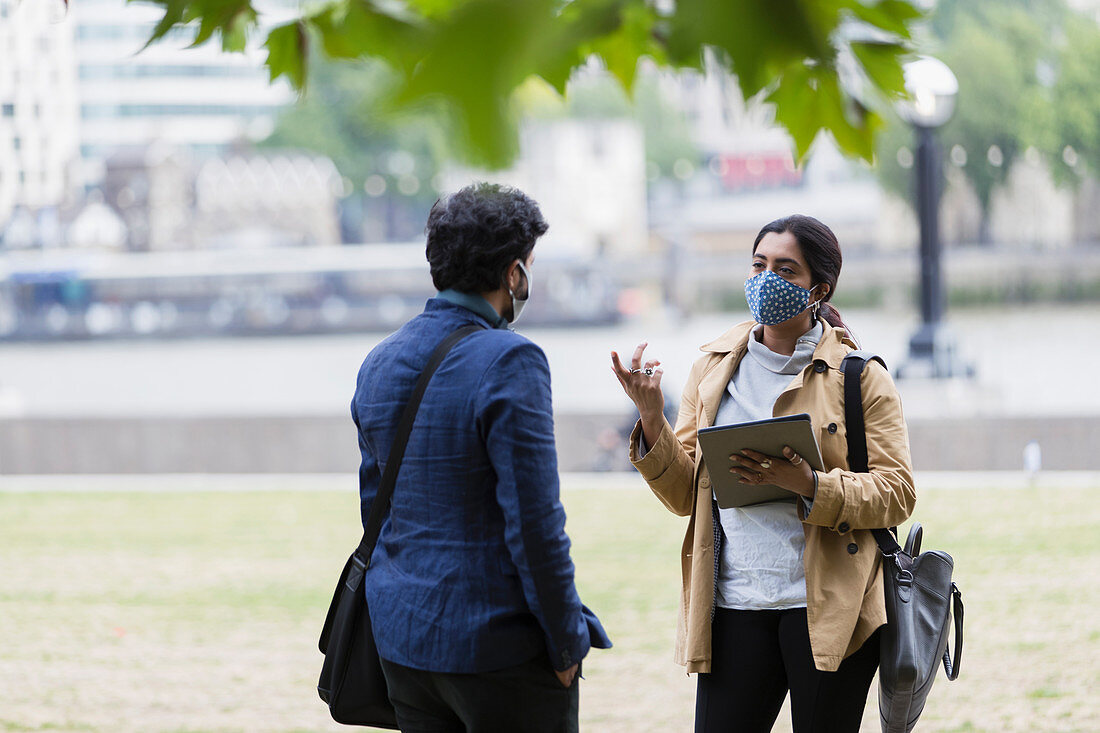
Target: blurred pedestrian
470	588
1033	462
786	595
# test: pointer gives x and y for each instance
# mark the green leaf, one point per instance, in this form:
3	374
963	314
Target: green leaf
892	16
882	64
809	99
631	41
352	29
432	8
173	14
472	55
563	48
233	19
475	59
758	39
287	51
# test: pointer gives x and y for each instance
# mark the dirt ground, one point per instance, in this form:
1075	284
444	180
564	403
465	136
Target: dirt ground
199	611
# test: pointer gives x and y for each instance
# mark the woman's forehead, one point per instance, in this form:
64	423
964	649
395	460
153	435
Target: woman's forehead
779	246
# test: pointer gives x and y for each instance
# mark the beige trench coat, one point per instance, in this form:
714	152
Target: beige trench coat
844	590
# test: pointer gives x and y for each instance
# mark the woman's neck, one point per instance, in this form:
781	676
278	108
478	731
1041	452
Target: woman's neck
783	337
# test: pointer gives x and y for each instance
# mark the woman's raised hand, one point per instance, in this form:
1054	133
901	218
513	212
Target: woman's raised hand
642	384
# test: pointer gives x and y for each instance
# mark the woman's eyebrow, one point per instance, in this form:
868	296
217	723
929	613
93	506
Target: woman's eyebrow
780	260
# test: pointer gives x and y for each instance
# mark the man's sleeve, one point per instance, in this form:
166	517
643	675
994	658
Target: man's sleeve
515	419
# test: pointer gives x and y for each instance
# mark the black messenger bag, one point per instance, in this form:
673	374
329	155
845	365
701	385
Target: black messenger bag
920	596
351	679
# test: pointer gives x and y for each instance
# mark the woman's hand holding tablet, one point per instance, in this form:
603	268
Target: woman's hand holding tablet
790	472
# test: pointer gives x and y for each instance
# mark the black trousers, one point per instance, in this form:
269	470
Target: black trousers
527	697
757	656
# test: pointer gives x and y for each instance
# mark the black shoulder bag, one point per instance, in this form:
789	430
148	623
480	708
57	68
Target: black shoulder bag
351	680
920	597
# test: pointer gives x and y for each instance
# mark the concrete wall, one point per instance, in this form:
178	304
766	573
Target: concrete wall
328	444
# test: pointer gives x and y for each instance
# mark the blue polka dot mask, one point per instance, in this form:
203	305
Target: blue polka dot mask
773	300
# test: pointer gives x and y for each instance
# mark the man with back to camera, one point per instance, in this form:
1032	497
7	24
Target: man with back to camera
470	589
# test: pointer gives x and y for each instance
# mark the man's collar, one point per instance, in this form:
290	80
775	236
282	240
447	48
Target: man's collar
477	304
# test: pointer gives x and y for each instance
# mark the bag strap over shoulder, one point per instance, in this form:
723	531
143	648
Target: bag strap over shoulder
381	504
856	430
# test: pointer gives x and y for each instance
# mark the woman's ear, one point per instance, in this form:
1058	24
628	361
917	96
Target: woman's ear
823	291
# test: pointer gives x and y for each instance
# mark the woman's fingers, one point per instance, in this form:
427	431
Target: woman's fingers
745	474
620	371
636	367
791	456
617	366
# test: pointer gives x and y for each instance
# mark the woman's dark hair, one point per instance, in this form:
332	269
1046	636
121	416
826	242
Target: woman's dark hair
476	233
820	250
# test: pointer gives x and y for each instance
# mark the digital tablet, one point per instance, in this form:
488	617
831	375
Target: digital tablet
764	436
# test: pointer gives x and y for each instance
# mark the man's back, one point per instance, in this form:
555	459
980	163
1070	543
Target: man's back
472	570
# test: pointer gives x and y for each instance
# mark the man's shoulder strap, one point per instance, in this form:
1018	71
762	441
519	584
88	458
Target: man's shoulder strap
381	504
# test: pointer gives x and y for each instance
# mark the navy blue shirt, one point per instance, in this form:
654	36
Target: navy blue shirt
472	571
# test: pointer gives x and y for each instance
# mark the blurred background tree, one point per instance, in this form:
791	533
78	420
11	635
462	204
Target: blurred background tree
1026	71
389	161
596	95
1074	140
470	56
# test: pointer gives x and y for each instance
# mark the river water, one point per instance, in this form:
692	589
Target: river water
1029	361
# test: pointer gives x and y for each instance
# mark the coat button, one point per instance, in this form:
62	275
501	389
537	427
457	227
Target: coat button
820	367
843	527
853	548
831	428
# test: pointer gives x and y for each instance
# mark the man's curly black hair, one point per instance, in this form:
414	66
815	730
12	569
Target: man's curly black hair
476	233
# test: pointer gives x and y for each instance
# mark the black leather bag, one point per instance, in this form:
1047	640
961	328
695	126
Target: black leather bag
351	679
920	596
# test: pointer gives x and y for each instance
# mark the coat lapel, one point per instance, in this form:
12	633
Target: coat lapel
713	384
831	349
730	347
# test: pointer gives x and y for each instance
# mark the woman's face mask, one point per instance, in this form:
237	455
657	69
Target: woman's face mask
773	300
519	303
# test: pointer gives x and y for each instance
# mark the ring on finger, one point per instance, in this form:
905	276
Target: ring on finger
648	371
797	460
765	464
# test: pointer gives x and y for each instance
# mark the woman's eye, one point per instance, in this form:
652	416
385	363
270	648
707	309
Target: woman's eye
786	270
758	264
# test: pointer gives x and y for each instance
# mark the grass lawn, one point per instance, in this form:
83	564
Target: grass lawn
199	611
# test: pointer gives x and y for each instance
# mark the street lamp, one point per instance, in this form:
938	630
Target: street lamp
932	88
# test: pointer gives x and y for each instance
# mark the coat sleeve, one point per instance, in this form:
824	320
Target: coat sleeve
669	465
884	496
516	421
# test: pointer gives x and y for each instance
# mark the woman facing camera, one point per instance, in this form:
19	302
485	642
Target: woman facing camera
786	595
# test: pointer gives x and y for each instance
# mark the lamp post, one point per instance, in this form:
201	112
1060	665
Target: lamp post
932	88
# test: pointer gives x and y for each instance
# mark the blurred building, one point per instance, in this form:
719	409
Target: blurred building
152	192
588	177
749	177
170	200
200	99
38	119
96	226
267	201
